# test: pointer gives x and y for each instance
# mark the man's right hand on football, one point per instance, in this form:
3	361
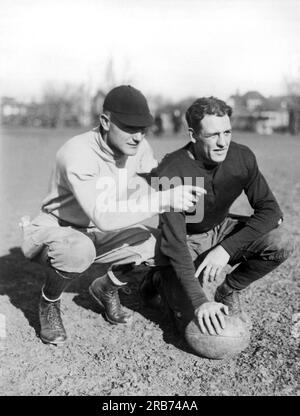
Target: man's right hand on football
211	317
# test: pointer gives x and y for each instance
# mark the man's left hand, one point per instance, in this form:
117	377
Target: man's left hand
213	264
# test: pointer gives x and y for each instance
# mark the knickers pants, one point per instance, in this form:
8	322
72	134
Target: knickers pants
251	263
74	250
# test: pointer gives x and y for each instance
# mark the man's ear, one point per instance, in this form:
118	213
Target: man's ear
191	134
104	121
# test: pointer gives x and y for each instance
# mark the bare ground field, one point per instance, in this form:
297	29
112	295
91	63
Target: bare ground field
146	357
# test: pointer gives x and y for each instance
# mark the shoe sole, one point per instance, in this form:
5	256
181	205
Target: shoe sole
52	342
103	309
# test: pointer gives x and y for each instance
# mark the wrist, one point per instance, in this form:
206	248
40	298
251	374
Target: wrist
196	310
227	248
224	250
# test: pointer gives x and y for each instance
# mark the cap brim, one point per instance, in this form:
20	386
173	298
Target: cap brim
136	120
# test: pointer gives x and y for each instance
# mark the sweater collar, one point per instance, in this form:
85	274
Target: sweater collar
193	154
106	152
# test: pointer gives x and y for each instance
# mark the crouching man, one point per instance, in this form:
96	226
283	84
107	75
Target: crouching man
203	247
83	219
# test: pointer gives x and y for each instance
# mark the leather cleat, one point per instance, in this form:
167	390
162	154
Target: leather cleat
229	297
105	293
52	328
232	298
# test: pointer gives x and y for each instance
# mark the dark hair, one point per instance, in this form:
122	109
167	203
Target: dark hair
205	105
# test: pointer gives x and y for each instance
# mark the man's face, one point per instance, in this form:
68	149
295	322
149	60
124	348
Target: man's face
124	140
212	141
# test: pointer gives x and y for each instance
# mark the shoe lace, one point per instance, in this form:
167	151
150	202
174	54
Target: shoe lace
54	315
115	304
115	301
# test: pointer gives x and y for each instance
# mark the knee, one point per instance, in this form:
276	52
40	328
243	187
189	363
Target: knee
288	249
280	246
74	254
147	249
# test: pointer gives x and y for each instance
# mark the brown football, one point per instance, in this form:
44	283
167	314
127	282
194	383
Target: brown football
234	338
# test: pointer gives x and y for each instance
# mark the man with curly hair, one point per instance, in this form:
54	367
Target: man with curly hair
255	245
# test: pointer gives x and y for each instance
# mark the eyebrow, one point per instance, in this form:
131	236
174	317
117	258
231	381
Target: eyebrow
217	132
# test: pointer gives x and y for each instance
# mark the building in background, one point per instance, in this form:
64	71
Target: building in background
12	112
75	106
254	112
68	106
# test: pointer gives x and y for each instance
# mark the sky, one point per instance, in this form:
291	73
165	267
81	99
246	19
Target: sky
176	48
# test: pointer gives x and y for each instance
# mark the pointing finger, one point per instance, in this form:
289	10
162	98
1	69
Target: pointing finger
198	190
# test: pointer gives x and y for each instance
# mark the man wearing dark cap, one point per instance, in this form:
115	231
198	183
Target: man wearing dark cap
80	223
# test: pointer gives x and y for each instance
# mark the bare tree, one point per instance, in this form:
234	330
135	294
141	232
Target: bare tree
66	105
293	91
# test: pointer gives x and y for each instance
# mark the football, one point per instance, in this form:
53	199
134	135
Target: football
233	339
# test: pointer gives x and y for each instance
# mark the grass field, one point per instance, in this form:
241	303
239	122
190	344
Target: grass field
148	357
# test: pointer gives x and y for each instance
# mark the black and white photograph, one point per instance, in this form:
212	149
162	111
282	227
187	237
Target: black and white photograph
150	196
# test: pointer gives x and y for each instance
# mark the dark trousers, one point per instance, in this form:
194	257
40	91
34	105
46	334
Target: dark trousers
252	263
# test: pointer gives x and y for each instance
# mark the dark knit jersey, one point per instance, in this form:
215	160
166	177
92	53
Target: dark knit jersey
224	183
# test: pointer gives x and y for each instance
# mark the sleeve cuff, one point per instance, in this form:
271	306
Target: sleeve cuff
230	248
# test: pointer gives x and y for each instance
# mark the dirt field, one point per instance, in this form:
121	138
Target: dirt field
147	357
